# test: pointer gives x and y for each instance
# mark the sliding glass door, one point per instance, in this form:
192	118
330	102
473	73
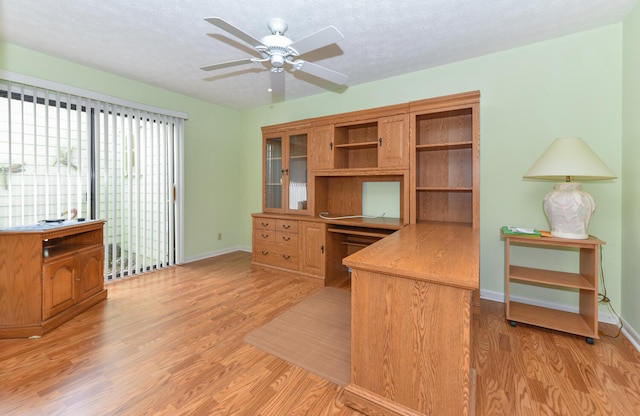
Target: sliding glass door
65	157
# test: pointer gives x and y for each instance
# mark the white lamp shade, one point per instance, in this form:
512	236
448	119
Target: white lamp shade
569	157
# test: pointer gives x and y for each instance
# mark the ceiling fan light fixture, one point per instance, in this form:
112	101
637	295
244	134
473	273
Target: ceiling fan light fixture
280	50
276	42
277	60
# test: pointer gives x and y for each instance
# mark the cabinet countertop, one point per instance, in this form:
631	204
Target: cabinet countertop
552	241
440	253
45	227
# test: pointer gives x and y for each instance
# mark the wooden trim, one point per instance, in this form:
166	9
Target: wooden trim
446	102
371	404
39	329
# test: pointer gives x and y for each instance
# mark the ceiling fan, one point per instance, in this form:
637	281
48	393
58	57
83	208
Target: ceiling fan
278	51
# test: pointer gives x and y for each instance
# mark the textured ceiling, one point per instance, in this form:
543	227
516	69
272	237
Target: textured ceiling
165	42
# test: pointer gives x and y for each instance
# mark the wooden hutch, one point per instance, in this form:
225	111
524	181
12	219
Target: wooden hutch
420	265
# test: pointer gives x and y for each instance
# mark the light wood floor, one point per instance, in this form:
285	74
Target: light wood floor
171	343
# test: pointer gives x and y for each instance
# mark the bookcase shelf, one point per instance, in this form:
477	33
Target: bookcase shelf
445	160
585	281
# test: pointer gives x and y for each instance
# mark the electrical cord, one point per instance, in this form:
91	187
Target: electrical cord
323	215
603	299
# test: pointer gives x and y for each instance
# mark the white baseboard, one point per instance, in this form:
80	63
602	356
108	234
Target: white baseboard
603	316
631	334
217	253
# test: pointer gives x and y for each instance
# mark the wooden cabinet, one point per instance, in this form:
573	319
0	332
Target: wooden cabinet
285	184
393	145
584	281
275	242
445	156
376	144
322	148
284	243
424	155
49	273
58	286
90	277
312	248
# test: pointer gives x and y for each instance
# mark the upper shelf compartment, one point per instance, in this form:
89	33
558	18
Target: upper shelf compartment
444	130
356	146
445	160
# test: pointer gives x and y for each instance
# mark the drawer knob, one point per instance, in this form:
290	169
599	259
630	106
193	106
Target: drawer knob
286	238
286	257
265	235
286	226
264	253
264	224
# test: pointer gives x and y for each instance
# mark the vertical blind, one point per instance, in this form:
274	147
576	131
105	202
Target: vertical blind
64	156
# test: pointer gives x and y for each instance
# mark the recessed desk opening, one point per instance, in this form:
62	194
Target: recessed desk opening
344	240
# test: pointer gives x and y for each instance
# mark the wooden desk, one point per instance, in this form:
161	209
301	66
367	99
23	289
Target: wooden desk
411	322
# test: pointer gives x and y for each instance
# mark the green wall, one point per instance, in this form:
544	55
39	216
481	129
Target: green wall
570	86
212	147
631	171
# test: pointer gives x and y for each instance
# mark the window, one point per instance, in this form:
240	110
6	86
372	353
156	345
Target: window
64	156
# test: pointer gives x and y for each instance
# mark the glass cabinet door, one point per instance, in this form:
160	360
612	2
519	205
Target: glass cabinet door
285	173
273	173
297	173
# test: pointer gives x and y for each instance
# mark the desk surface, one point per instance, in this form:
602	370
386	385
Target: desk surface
440	253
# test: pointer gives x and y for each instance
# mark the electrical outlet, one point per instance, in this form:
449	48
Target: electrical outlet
219	236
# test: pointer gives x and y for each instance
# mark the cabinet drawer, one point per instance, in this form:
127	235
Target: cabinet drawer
287	239
287	225
267	236
262	223
276	256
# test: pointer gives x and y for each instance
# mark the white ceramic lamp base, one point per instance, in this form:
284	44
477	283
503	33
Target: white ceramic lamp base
569	210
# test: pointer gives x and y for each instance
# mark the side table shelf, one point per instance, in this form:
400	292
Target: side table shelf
585	321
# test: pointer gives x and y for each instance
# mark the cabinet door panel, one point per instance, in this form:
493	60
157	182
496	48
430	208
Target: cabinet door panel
322	148
273	173
312	248
297	173
393	150
285	175
58	289
90	273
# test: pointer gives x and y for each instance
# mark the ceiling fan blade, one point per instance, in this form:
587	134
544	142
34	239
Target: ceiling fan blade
228	27
277	86
317	40
227	64
321	72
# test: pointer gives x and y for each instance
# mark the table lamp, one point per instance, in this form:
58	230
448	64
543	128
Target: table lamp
568	207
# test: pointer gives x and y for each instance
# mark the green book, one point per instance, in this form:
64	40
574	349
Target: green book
520	231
